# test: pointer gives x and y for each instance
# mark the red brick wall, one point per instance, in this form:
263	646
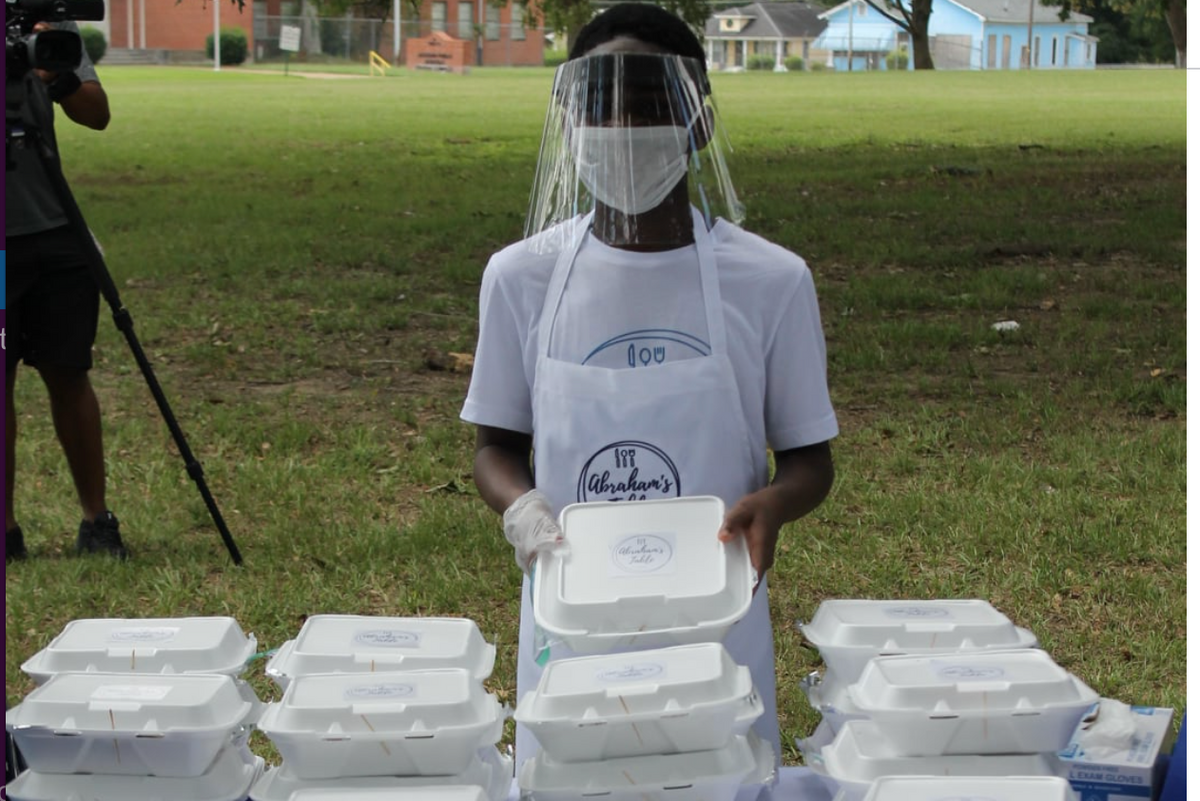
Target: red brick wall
502	52
173	26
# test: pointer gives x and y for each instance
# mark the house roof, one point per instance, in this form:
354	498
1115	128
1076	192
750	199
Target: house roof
1018	11
994	11
769	20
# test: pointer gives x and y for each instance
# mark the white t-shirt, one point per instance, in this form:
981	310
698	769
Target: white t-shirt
629	310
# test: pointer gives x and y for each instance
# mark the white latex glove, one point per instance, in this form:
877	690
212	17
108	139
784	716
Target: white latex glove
530	526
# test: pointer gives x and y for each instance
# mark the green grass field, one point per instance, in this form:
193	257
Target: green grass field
299	254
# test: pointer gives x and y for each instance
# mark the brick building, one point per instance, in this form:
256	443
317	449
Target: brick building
178	30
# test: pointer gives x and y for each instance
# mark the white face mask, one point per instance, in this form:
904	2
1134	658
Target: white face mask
630	169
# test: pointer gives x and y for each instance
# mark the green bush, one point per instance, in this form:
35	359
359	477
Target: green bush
794	64
233	46
817	66
897	59
552	58
760	62
94	43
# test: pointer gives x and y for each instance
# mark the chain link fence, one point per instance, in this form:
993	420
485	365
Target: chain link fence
332	40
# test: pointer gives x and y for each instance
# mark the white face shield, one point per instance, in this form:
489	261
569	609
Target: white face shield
625	135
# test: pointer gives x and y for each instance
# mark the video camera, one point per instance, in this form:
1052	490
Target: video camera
53	51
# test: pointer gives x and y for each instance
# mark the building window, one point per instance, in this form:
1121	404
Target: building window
517	34
1054	51
492	31
1037	50
466	20
437	16
861	8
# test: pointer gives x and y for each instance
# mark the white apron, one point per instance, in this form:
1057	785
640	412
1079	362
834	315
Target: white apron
674	429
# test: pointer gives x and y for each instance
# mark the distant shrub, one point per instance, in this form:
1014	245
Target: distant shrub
897	59
794	64
817	66
760	62
554	58
233	46
94	43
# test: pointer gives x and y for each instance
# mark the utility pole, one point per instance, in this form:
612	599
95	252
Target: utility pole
850	44
1029	35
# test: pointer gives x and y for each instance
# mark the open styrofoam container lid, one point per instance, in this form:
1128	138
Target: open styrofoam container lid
351	705
860	753
914	625
745	760
993	788
641	683
369	644
145	645
992	683
229	779
633	571
108	703
490	770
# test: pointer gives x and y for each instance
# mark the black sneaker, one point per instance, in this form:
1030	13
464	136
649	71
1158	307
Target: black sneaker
102	535
14	545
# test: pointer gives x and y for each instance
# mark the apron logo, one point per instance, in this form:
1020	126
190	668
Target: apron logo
628	471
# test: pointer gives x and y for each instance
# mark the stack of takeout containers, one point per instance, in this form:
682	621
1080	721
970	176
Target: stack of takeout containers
138	710
647	703
391	707
945	688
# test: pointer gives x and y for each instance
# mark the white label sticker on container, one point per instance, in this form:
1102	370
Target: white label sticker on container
380	692
917	611
643	553
130	692
138	634
967	672
635	671
388	638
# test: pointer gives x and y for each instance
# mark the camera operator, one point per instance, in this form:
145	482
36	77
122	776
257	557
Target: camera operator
53	310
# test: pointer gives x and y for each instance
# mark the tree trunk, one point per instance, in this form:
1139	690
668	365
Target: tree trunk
921	11
1177	22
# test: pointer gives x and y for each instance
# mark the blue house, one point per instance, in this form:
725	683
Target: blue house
964	35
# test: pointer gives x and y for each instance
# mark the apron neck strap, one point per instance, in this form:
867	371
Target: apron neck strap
709	285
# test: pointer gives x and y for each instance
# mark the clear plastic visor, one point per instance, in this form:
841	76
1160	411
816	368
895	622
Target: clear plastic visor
636	139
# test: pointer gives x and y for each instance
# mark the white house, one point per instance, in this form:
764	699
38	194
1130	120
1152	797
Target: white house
776	29
964	34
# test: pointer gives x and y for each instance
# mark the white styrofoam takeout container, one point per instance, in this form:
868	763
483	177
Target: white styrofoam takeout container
992	788
992	702
420	723
145	645
850	632
445	793
709	775
642	574
663	701
489	770
860	754
117	723
228	779
369	644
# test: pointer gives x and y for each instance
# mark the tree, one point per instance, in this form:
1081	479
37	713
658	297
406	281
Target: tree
912	17
1173	12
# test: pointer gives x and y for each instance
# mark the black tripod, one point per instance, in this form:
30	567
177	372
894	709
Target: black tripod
27	117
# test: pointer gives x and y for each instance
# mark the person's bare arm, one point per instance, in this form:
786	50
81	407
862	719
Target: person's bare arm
803	478
502	466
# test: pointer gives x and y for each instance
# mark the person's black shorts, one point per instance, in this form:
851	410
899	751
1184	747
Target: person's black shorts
53	303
